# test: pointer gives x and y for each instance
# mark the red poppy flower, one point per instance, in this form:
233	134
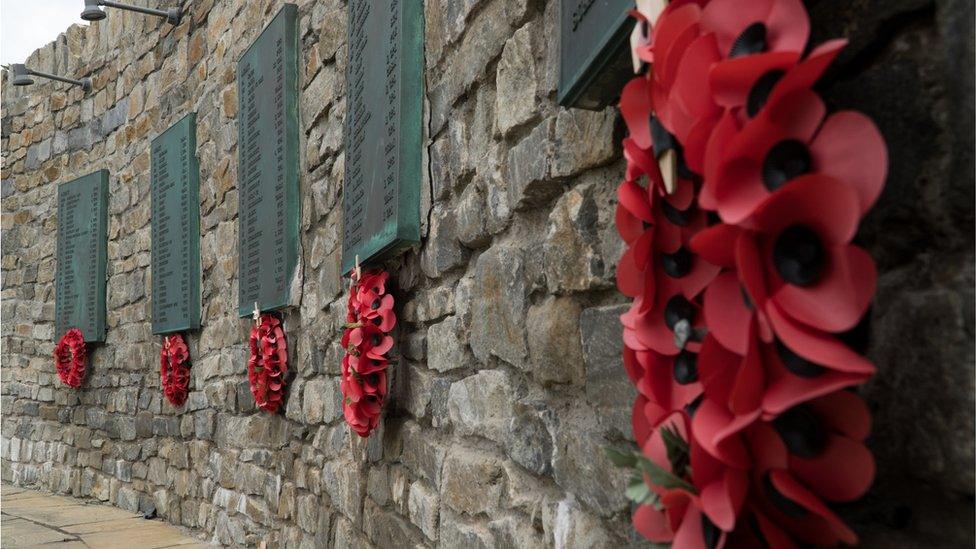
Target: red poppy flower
798	260
69	358
268	363
811	454
790	138
746	28
363	415
699	510
173	369
746	84
798	364
651	324
368	341
658	230
671	382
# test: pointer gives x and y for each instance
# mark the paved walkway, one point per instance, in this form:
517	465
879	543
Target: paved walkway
29	518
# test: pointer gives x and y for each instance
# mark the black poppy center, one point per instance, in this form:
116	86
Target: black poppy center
373	379
797	364
692	406
375	362
745	298
375	304
799	256
377	321
685	368
680	218
376	340
788	507
710	532
678	264
801	431
677	309
661	138
787	159
760	91
751	40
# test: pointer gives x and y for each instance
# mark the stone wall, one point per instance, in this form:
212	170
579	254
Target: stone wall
509	381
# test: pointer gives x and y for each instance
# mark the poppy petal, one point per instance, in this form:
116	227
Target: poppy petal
838	301
815	346
652	524
850	148
843	471
726	313
793	490
635	107
732	80
819	202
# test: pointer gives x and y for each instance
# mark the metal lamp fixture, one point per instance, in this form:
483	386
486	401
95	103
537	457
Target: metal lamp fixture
21	76
94	12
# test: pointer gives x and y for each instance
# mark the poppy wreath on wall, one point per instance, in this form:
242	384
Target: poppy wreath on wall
741	199
268	363
174	368
367	341
69	358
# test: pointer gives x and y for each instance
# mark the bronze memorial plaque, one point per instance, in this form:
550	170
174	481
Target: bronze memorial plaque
594	51
81	256
383	133
175	197
267	172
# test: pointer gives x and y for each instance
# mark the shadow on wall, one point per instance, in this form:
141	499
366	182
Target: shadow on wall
909	66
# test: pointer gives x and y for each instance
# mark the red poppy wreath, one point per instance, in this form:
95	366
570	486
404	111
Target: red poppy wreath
366	338
747	289
174	369
268	364
69	358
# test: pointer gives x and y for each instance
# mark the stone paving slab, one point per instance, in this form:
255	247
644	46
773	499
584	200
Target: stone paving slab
29	518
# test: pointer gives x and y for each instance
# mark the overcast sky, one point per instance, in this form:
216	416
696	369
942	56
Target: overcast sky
26	25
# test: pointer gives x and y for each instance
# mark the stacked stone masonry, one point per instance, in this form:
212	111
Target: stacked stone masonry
509	380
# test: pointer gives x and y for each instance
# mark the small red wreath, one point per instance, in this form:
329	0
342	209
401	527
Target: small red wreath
370	319
174	369
268	364
69	358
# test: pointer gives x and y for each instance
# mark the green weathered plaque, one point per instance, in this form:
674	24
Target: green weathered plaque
267	172
383	133
594	51
81	256
175	199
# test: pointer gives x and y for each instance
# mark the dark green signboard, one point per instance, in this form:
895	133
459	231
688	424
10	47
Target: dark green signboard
381	194
267	172
81	256
594	51
175	199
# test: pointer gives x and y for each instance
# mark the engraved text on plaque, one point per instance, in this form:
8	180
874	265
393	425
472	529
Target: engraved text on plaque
267	172
81	256
175	200
384	83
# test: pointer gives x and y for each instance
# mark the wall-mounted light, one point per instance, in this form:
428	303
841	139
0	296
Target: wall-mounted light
21	76
93	11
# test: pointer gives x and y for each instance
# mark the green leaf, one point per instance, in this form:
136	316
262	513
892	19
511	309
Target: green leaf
638	491
662	478
620	458
677	449
654	545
